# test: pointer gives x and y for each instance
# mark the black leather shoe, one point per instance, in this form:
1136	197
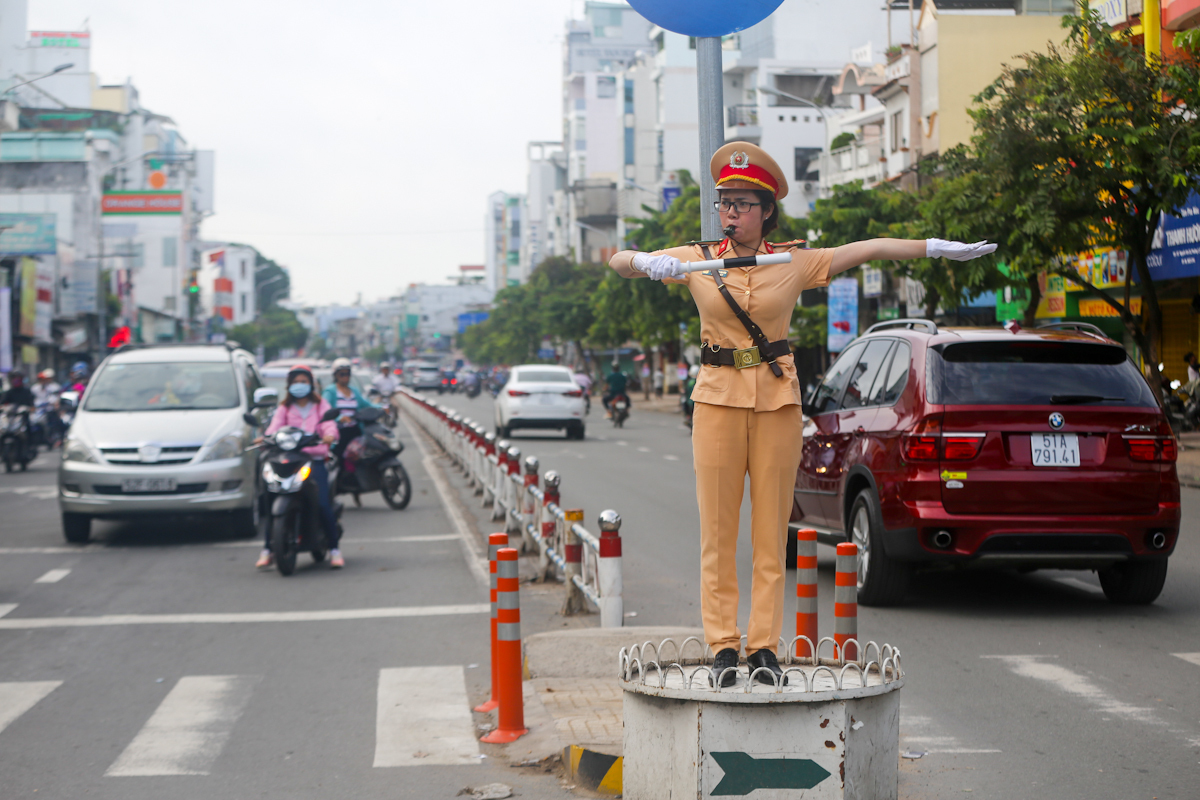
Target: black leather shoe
765	658
725	667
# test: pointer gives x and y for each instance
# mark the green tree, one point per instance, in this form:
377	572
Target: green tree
271	282
1088	145
275	329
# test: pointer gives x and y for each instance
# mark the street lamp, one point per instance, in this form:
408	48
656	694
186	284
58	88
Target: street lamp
55	71
821	115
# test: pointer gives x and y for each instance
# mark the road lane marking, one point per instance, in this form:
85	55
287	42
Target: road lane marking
423	717
101	547
643	449
930	743
1072	683
348	541
472	552
53	576
1192	657
671	458
336	615
5	608
188	730
17	697
1078	584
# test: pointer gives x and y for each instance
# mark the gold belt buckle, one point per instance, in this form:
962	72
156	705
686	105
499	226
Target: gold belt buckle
750	357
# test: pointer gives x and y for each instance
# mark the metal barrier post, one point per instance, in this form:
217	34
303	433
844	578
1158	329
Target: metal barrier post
511	723
501	476
845	602
806	592
573	556
612	609
512	500
528	504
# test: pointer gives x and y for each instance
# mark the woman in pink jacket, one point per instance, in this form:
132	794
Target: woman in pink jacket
302	408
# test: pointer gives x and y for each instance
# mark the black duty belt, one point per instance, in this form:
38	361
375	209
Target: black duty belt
749	357
762	350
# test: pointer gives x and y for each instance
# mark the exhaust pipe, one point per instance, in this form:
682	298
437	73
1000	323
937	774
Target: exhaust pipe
942	539
1158	540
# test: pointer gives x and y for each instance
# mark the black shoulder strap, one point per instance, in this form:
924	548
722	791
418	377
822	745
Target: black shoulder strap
756	334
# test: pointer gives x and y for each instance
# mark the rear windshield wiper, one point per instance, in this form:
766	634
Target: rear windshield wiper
1073	399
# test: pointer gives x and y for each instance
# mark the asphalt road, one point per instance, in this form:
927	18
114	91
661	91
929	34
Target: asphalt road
1017	685
156	662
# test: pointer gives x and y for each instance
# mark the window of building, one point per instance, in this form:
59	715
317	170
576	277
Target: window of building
169	303
1048	7
628	96
170	248
243	269
629	145
606	22
606	86
896	133
243	300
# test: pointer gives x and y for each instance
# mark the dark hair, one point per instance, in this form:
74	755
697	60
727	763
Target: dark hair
771	222
1188	356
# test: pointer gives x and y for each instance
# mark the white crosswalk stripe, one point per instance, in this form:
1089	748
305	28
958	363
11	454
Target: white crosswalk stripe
188	730
423	717
53	576
1192	657
17	697
918	733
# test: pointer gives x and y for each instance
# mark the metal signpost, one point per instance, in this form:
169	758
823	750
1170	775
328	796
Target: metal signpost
707	21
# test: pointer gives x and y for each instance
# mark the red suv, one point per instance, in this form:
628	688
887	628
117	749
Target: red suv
981	447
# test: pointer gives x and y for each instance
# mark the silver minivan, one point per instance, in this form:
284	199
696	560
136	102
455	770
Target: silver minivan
160	431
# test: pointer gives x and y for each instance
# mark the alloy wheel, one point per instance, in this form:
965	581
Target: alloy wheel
860	532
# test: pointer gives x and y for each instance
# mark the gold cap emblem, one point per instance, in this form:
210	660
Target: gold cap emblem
739	160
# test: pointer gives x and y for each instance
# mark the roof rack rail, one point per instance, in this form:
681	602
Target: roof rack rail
1079	327
907	324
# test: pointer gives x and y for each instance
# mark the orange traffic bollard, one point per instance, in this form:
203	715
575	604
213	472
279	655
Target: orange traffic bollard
511	723
845	601
495	542
806	592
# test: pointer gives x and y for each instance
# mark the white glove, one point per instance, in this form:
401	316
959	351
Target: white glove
658	267
956	251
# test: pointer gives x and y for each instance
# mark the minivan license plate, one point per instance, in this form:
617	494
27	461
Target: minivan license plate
136	485
1055	449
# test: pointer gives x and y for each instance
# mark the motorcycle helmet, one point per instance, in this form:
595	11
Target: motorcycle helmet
301	369
46	375
16	378
341	363
79	369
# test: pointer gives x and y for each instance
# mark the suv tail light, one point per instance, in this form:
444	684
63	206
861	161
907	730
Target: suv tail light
961	446
1153	448
921	444
517	393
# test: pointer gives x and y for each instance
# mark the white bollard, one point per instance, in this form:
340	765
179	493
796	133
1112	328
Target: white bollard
612	607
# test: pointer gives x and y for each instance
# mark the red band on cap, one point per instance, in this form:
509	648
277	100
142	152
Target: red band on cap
752	173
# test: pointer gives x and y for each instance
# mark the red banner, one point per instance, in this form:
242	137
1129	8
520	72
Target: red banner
142	203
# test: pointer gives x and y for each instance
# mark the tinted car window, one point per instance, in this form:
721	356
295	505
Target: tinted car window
858	391
890	385
829	393
1036	373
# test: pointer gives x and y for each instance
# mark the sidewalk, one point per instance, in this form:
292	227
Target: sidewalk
1188	464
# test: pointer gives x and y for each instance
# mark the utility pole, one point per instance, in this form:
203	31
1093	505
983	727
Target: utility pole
710	82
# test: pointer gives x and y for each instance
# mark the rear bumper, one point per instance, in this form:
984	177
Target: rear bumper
545	423
1065	542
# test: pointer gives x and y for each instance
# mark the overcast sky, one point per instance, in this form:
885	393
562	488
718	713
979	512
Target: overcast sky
356	141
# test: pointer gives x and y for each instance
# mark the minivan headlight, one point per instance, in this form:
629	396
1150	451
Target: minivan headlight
78	451
226	447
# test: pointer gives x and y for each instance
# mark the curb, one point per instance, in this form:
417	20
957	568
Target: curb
599	772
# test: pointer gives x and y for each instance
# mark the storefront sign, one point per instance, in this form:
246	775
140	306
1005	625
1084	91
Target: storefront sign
80	39
6	353
142	203
1104	269
1112	12
1175	251
843	313
28	234
28	272
1095	307
872	282
1054	297
44	308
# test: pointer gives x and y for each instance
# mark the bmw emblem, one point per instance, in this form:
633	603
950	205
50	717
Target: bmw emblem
1056	420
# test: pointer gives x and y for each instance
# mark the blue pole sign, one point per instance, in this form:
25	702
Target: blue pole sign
705	18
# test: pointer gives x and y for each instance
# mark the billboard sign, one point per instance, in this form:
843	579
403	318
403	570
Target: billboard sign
872	282
843	313
28	234
78	39
1175	251
470	318
142	203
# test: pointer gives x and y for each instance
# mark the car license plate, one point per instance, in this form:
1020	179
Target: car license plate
136	485
546	399
1055	449
620	406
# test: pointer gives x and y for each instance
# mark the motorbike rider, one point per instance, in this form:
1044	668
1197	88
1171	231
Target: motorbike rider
18	393
45	391
617	383
385	381
301	408
77	377
341	395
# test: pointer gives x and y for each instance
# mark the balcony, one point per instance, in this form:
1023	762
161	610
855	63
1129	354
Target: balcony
861	161
741	115
595	201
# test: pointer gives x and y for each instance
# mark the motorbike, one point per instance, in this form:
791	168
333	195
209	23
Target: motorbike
291	495
16	445
619	406
67	403
380	399
373	464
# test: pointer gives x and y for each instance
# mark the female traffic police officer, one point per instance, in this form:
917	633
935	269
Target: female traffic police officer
747	417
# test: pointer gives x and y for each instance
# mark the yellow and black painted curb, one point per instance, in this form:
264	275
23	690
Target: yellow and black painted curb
599	772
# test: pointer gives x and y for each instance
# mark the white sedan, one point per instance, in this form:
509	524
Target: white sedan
540	396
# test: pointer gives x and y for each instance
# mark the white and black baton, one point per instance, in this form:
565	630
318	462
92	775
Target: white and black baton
734	263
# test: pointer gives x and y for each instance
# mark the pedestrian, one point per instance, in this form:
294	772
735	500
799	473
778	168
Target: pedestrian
658	382
1193	366
747	418
646	384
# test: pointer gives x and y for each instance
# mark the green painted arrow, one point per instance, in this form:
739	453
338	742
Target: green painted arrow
744	773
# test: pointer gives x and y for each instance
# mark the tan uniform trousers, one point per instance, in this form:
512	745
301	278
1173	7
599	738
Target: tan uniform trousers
727	443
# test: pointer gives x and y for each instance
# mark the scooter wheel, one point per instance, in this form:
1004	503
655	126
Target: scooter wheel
397	488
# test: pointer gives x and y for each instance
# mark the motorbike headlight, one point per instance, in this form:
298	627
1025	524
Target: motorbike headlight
287	440
78	451
226	447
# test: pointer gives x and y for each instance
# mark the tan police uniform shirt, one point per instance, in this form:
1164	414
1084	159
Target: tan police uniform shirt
768	294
